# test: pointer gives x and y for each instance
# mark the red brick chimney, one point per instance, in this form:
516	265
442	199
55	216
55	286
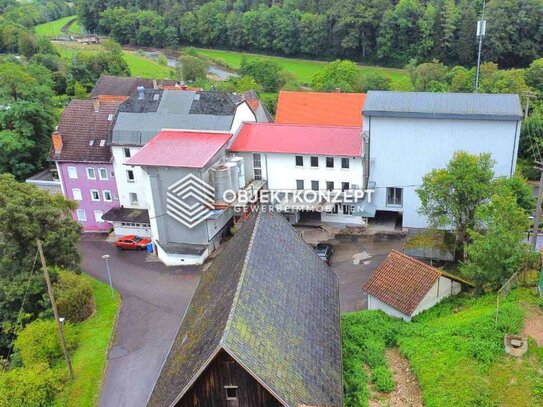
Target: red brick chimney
57	142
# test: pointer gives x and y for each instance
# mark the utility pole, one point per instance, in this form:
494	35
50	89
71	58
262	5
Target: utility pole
55	311
528	95
481	31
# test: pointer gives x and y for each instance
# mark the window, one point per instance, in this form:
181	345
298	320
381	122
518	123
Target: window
98	216
344	186
102	143
107	196
133	198
394	196
330	185
76	193
91	142
72	172
335	209
345	163
329	162
231	392
130	176
110	117
95	195
102	173
315	185
126	152
347	209
91	174
314	161
81	215
257	166
299	161
299	184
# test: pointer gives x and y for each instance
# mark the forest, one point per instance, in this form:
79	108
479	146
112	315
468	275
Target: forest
384	32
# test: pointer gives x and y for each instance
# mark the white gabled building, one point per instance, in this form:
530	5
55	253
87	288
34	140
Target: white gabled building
408	134
142	117
292	157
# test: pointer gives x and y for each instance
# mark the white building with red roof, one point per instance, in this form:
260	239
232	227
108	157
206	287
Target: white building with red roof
294	157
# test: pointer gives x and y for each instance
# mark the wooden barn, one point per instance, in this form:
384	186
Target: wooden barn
262	329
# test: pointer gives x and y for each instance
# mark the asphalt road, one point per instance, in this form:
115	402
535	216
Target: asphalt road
154	301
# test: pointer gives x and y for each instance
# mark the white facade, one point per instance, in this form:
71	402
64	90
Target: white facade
282	173
404	149
443	288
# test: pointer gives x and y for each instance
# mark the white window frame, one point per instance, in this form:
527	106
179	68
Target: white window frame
88	170
104	170
98	219
257	169
332	160
76	193
133	176
80	212
347	161
104	192
72	172
226	388
394	204
311	159
92	191
132	201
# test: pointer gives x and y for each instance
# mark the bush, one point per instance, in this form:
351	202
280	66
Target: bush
375	81
190	68
267	73
29	387
39	343
382	379
162	60
73	293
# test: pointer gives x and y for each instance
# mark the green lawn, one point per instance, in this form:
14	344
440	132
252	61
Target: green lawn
455	351
52	28
89	359
304	69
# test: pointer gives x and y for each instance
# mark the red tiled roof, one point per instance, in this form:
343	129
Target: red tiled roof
332	109
299	139
180	148
79	125
402	282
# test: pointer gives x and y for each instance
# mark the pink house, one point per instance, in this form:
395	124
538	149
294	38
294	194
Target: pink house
84	162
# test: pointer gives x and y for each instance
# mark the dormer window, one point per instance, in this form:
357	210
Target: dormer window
91	142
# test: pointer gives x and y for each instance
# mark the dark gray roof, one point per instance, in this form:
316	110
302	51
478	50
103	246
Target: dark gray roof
127	215
139	120
273	305
443	105
108	85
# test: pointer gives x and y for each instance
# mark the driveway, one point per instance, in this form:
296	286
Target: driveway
154	301
354	260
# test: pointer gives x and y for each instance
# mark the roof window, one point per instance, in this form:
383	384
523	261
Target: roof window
91	142
102	143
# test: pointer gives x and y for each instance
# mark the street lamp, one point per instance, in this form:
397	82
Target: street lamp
106	259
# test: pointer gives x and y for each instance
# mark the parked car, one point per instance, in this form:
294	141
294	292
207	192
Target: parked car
132	242
324	251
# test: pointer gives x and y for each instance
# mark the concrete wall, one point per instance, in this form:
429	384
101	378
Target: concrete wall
403	150
376	304
85	185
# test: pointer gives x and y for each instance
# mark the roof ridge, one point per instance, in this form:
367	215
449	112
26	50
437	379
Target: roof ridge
240	283
275	124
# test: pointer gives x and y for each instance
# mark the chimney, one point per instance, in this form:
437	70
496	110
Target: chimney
57	142
96	104
155	84
141	92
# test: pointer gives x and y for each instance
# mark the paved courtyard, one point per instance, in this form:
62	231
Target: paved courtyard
155	298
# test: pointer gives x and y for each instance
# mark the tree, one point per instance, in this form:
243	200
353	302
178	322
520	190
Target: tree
266	73
531	137
467	30
427	75
374	80
534	75
498	249
338	74
450	196
26	214
191	68
238	84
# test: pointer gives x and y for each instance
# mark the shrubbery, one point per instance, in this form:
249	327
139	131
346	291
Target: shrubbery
74	296
39	343
29	387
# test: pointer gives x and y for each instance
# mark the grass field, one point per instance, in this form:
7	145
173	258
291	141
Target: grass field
52	28
455	351
304	69
89	359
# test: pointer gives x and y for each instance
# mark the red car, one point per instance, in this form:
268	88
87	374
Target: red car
132	242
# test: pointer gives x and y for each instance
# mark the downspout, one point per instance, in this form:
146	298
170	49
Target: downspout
515	150
366	152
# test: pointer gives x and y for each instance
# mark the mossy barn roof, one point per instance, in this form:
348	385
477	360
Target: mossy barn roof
272	304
